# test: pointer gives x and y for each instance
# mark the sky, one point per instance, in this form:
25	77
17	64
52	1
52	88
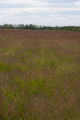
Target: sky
40	12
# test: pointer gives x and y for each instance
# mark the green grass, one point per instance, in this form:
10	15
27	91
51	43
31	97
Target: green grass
20	67
13	67
4	67
39	78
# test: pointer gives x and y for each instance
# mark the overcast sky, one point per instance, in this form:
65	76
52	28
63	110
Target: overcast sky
40	12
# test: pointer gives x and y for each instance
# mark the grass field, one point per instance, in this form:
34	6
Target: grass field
39	75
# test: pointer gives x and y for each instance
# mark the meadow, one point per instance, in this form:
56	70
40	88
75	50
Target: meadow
39	75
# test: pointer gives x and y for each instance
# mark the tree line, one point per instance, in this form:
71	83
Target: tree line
36	27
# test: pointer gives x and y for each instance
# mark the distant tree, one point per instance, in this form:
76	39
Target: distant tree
35	27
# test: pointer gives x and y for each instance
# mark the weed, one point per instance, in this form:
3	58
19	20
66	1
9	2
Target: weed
4	67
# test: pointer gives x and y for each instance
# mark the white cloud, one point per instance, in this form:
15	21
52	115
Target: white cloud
76	3
28	2
39	12
40	3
